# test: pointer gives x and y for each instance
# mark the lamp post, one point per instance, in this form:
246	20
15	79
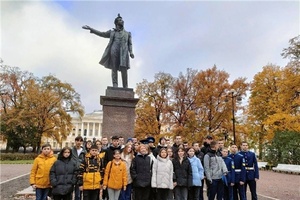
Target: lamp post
234	96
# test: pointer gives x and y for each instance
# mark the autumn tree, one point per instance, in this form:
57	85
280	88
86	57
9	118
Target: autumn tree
213	111
33	108
181	106
191	104
151	108
13	83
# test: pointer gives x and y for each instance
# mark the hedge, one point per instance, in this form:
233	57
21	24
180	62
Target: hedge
18	156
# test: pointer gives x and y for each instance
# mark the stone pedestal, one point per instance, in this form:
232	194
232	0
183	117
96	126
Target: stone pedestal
118	112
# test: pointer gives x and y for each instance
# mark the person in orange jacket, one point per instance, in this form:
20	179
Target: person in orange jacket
115	177
39	175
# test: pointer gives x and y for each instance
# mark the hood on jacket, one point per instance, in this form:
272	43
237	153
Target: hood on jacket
162	159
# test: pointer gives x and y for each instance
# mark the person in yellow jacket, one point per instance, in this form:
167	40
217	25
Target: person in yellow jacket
115	177
39	175
89	176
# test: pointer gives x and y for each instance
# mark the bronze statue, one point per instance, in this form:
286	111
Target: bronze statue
117	52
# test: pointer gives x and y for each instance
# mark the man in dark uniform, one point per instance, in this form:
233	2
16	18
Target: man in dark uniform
116	55
252	173
230	177
240	173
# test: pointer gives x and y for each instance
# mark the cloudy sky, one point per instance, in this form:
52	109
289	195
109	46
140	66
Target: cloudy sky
240	37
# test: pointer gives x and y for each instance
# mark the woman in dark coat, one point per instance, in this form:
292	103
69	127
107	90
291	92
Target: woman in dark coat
63	175
182	177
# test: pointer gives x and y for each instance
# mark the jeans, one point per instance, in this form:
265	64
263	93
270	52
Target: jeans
126	195
77	193
181	192
41	193
216	188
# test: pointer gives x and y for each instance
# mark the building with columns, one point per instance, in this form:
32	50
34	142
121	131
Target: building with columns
89	127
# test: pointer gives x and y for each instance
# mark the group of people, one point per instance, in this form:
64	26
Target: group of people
139	170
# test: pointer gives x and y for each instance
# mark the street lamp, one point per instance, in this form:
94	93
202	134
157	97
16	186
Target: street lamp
234	96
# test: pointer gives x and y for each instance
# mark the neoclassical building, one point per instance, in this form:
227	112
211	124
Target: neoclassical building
89	127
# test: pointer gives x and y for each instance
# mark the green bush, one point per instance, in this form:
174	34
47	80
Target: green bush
18	156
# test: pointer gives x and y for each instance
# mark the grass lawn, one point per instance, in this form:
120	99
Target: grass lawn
16	161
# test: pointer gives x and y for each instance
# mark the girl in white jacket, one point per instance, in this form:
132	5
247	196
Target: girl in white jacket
162	175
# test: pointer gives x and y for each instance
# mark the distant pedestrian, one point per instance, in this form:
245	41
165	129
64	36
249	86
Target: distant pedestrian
40	171
63	175
252	172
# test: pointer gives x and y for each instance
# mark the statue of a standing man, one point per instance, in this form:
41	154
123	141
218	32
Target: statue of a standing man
116	54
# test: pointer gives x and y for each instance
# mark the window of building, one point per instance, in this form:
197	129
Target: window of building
67	144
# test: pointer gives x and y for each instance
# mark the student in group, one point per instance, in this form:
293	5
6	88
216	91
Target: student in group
101	154
88	145
39	175
89	175
230	177
199	154
63	175
240	173
182	178
115	178
78	155
127	156
170	153
251	166
197	174
141	170
215	168
162	175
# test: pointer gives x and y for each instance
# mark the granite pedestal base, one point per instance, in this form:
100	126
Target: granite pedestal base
118	112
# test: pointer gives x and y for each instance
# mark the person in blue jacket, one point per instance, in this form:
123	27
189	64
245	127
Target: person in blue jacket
252	173
197	174
240	173
230	177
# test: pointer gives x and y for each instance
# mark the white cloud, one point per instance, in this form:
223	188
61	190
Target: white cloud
240	37
43	39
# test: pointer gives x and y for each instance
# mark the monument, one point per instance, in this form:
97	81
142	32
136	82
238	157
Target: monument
118	103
